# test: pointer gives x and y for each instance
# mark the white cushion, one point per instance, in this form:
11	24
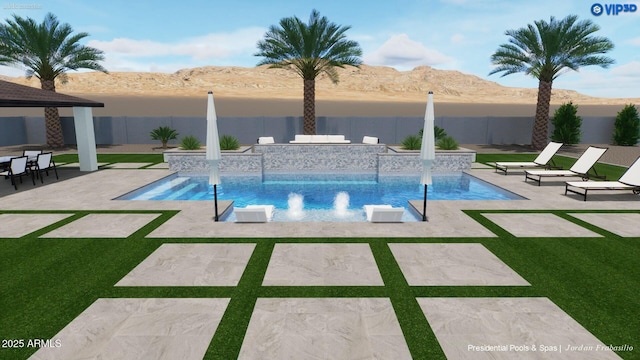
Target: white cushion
319	138
369	140
383	213
254	213
266	140
305	138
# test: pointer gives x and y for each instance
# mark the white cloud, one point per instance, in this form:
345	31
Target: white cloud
210	46
620	81
635	41
403	53
457	38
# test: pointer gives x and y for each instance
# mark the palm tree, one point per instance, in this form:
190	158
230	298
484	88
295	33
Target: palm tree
547	50
317	47
47	51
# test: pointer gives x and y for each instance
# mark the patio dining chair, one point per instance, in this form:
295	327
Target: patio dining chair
44	162
17	168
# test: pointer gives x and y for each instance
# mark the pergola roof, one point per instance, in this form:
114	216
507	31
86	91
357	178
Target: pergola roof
15	95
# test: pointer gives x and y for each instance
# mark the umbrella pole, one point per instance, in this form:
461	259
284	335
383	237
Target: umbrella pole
215	200
424	204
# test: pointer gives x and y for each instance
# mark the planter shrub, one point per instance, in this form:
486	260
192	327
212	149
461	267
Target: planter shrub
627	126
566	124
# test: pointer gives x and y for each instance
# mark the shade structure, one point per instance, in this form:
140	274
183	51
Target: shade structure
427	150
213	154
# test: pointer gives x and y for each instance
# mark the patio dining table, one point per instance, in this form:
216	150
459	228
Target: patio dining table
5	161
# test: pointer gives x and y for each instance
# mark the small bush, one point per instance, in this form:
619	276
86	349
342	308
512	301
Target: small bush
228	142
164	134
438	133
412	142
190	143
627	127
566	124
447	143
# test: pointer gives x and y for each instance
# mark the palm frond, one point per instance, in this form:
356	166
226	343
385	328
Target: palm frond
47	50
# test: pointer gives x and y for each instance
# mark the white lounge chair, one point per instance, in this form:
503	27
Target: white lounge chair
542	160
254	213
580	168
266	140
630	180
383	213
370	140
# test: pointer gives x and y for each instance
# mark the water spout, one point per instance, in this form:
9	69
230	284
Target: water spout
341	204
296	206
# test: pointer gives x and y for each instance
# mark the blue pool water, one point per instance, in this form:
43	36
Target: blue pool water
322	197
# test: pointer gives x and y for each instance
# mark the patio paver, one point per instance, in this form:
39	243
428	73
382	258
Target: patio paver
191	265
322	265
19	225
625	225
539	225
508	328
159	166
453	265
127	165
102	226
324	328
122	329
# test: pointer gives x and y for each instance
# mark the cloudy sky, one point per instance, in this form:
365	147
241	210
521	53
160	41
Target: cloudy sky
166	36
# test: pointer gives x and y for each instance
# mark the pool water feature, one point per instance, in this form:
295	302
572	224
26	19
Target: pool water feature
322	197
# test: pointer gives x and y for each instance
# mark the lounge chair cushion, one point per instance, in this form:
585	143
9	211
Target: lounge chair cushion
266	140
370	140
255	213
319	138
383	213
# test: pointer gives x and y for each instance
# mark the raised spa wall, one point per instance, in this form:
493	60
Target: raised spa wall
283	158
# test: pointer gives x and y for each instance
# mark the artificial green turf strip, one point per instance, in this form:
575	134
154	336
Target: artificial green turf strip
227	340
420	338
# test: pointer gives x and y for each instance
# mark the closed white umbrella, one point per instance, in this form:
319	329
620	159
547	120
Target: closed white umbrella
427	150
213	154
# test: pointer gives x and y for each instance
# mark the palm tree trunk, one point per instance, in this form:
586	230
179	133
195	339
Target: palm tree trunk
540	134
309	107
52	119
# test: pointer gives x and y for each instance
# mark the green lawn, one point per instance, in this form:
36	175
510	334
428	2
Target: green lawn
113	158
46	283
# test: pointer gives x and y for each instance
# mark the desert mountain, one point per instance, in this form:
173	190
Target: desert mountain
370	83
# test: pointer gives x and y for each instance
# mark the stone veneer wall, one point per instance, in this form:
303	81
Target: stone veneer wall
446	161
193	162
275	158
320	157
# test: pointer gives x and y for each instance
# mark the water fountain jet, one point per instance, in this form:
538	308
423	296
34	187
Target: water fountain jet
295	206
341	204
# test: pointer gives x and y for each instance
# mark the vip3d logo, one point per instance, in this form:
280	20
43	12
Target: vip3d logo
612	9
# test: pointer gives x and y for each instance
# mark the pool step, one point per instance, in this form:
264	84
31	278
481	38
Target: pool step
182	191
160	189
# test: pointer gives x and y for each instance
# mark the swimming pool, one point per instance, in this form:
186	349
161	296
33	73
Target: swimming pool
322	197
